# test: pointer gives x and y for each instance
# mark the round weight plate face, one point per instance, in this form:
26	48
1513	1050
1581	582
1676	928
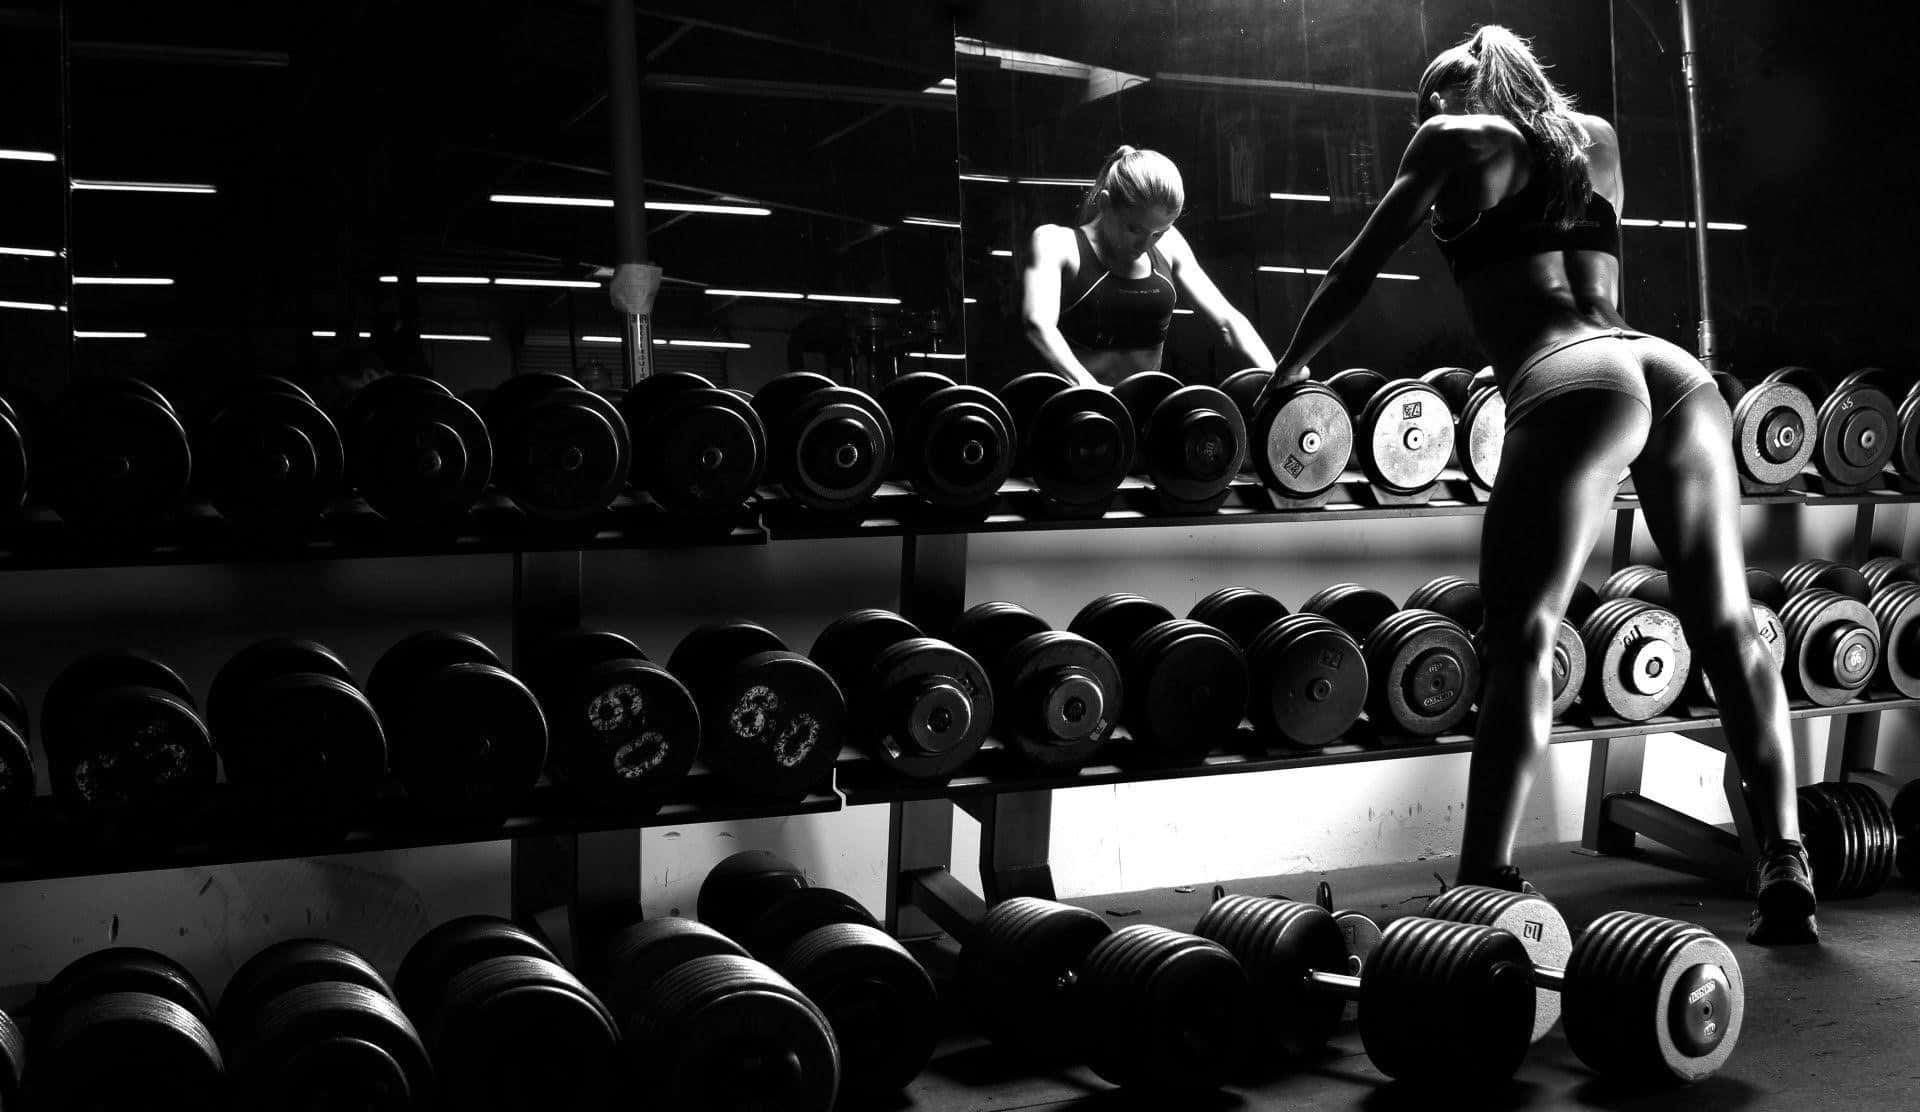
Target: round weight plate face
1638	659
851	643
1481	434
1833	646
1858	431
270	457
624	728
1241	613
471	734
838	448
773	724
703	450
402	670
1301	440
1652	1000
880	1001
417	454
958	447
1141	393
132	747
1081	445
564	455
305	739
1059	696
1405	436
735	891
1427	674
506	403
1307	682
930	709
115	460
723	1037
1774	432
1186	688
1569	668
1195	444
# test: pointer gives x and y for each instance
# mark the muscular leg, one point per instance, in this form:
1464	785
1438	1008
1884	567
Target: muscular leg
1559	472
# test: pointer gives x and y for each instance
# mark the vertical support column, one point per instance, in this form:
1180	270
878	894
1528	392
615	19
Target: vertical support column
933	592
1016	834
634	280
1614	765
1696	162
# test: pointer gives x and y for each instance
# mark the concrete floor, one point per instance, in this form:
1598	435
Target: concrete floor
1832	1026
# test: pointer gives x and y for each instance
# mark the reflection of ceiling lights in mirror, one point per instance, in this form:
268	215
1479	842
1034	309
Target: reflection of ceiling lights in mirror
440	279
853	299
30	252
1299	197
143	186
776	294
40	305
652	206
1712	225
324	334
1074	183
1183	312
562	283
727	345
942	87
936	355
96	280
931	222
779	295
455	337
79	335
1318	270
1002	253
1101	81
992	179
26	156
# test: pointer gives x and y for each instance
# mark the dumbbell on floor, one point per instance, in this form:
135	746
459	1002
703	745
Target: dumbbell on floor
506	1025
122	733
1186	682
1402	429
1076	443
707	1026
919	706
772	721
624	730
465	736
123	1028
877	997
828	446
561	451
1461	600
269	458
308	1023
954	444
1479	423
1857	425
1056	695
114	458
1300	440
1306	677
1775	428
1189	440
1851	837
696	449
419	456
1423	673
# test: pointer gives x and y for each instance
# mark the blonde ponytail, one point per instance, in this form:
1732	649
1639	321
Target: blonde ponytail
1132	176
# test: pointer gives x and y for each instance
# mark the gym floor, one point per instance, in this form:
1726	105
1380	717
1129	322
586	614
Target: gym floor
1826	1026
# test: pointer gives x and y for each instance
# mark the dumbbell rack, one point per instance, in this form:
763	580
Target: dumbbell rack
563	860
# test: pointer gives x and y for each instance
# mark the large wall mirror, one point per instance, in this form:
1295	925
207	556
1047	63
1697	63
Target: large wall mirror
1286	120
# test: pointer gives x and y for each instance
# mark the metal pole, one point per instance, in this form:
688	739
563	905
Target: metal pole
634	281
1709	353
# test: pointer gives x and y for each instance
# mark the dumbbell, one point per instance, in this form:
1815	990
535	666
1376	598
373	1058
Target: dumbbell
1479	423
1402	429
1904	809
1775	428
1645	998
954	444
1881	571
15	464
1076	443
1423	673
772	721
114	457
270	459
295	731
1851	838
307	1023
1896	607
1300	440
1056	695
506	1025
1144	1006
1828	575
1903	391
1186	682
16	754
1461	600
416	453
829	446
1858	425
561	451
707	1026
1306	677
1638	658
123	1028
1189	440
878	999
1650	585
622	729
696	449
464	734
919	706
1833	645
121	731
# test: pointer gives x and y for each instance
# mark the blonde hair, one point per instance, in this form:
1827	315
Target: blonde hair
1503	78
1132	177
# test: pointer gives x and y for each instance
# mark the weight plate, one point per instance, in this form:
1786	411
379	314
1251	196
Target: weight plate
1186	687
1425	674
332	1046
271	459
1897	609
1638	659
1648	584
1194	444
1301	440
1581	602
1405	437
905	394
1017	975
1477	977
727	1031
1453	384
129	747
521	1032
1141	393
1306	682
695	449
563	454
1480	435
849	645
1655	1000
1058	696
1113	621
406	665
1177	1009
441	953
834	450
1356	609
958	446
1775	432
989	630
1765	587
1569	668
1244	388
416	453
1280	942
1882	570
1080	445
115	459
1536	923
1773	635
1828	575
1356	387
469	736
772	723
775	401
929	710
179	1064
880	1001
121	969
284	966
1023	396
789	917
1451	597
1833	646
624	729
1859	432
1241	613
305	741
641	953
16	767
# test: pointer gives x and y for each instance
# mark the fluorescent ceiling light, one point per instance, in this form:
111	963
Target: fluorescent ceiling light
1318	270
100	280
607	202
1398	277
531	199
1299	197
853	299
703	206
1002	253
775	294
26	156
932	222
728	344
440	279
936	355
605	340
969	301
1078	183
324	334
79	335
30	252
40	305
562	283
143	186
1712	225
1183	312
455	337
943	87
992	179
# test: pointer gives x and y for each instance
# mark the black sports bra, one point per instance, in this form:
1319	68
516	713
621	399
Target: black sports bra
1519	225
1102	311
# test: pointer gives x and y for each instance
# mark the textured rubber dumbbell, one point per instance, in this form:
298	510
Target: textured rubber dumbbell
1904	809
954	445
1833	646
270	460
308	1023
696	449
1016	972
1190	441
1306	677
16	754
622	729
1461	600
296	732
1651	585
16	463
1851	838
877	997
1896	607
1076	443
1056	695
1775	428
1884	570
1638	659
829	446
707	1026
123	1028
1402	429
417	454
464	735
506	1025
1901	389
1857	426
1827	575
114	458
1300	438
561	451
1479	422
919	706
1641	581
121	732
1423	673
1162	1010
1539	926
1186	682
772	721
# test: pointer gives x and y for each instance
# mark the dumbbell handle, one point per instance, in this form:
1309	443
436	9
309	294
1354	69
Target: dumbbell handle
1348	986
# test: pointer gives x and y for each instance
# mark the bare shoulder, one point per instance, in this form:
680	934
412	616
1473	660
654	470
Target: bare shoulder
1468	137
1051	244
1600	133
